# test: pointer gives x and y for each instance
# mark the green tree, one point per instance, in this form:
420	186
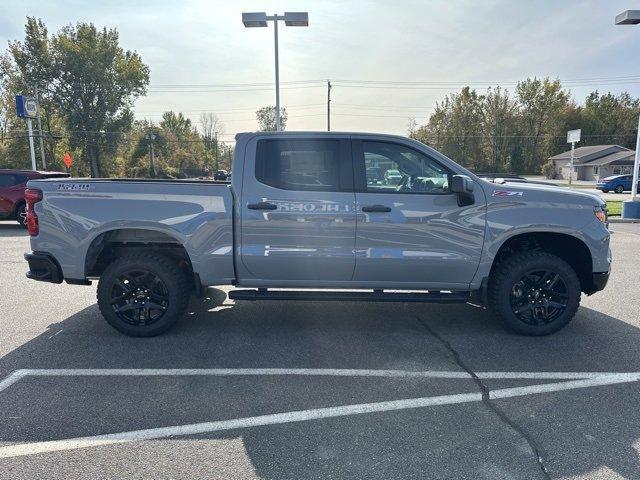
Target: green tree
266	117
95	83
541	103
211	128
610	119
455	128
499	129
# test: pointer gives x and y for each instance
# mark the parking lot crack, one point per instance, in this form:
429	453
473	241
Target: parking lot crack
486	400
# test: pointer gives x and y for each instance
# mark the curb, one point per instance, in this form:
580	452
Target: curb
623	220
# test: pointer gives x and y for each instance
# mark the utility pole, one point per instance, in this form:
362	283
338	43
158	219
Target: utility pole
44	160
573	149
573	136
152	164
275	35
215	139
328	106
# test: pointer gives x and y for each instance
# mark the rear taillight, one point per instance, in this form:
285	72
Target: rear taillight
31	197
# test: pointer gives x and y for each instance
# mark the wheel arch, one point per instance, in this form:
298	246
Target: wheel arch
17	206
111	243
570	248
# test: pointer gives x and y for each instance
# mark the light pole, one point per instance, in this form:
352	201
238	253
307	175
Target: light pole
631	208
291	19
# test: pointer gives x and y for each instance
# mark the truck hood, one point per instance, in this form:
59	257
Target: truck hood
540	192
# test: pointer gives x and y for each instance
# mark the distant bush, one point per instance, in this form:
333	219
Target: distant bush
549	170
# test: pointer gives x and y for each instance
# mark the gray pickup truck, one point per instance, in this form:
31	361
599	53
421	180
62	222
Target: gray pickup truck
312	216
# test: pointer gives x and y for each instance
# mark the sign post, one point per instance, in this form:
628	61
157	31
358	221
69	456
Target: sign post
573	136
27	108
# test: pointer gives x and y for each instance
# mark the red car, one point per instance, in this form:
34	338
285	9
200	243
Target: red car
12	186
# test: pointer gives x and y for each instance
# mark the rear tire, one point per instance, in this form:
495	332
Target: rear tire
143	294
619	189
534	293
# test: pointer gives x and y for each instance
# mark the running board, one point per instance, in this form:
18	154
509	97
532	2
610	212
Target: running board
341	296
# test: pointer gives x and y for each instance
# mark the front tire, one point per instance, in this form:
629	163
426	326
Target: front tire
143	294
604	190
534	293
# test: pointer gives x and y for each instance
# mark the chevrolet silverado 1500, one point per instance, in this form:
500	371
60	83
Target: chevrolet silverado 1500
304	218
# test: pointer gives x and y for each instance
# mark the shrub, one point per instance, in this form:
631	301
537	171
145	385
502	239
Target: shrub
549	170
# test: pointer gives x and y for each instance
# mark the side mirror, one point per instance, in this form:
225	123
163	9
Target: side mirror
462	186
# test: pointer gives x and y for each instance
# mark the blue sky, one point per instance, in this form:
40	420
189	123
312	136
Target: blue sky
205	43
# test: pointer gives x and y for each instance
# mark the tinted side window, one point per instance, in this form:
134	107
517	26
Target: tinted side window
7	180
319	165
393	167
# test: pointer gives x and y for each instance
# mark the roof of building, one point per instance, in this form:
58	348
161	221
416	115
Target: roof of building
625	157
586	154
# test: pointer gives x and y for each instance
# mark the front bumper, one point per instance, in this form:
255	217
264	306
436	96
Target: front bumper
598	282
43	267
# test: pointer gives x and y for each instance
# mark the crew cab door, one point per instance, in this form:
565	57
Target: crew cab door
297	211
411	232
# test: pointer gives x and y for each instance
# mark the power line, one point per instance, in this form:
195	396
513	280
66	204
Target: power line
313	83
234	89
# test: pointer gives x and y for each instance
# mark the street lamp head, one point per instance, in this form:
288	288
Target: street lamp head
296	19
254	19
628	17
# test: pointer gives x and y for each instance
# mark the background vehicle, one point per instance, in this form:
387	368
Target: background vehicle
300	214
617	183
506	176
12	186
392	177
220	175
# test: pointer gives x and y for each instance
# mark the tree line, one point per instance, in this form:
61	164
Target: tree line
88	85
498	131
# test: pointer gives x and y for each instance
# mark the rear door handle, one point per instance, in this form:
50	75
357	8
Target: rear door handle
376	208
262	206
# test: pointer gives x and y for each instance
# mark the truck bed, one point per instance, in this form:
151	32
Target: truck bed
194	213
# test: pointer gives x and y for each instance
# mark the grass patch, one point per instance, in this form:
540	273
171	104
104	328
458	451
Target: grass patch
588	187
614	207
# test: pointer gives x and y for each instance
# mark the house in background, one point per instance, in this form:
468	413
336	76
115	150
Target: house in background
595	162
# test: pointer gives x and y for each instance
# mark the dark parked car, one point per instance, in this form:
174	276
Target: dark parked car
12	186
617	183
220	175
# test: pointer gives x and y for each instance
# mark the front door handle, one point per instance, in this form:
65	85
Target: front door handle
262	206
376	208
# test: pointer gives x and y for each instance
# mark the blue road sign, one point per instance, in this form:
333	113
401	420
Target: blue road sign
26	107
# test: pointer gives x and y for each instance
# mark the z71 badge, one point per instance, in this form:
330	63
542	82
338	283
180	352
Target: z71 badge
75	186
506	193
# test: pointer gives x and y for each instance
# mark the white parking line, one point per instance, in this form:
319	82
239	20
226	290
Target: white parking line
302	415
13	378
336	372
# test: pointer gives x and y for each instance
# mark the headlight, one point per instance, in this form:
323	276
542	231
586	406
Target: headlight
600	211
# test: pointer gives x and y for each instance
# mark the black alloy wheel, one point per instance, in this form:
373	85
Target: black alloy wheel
139	297
143	294
534	292
539	297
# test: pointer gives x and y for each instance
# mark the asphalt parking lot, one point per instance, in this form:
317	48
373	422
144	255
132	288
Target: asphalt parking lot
286	390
